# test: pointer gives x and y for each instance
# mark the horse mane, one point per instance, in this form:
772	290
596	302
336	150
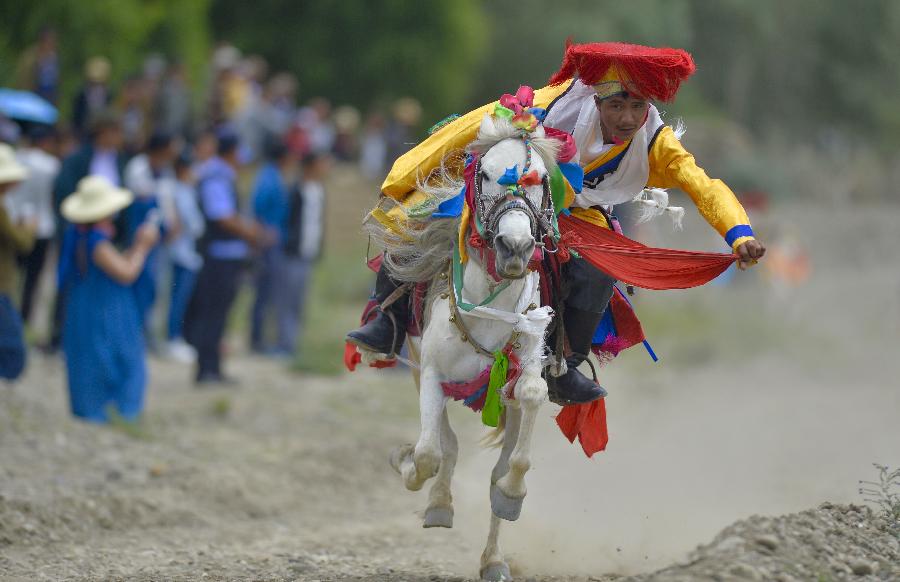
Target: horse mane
419	247
493	130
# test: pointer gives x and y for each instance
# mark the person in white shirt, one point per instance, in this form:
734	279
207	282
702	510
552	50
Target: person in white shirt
32	201
150	177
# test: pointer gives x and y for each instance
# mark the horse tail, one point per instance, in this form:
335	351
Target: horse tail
493	439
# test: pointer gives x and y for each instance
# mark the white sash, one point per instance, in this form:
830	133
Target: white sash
576	113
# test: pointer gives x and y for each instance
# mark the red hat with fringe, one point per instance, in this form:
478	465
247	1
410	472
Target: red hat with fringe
614	67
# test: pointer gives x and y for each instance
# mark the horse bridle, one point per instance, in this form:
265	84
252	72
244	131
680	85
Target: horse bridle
515	198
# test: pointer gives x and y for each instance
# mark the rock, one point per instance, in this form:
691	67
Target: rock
158	470
768	542
746	571
861	568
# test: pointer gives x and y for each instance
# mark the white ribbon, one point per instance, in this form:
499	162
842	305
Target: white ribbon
655	202
533	323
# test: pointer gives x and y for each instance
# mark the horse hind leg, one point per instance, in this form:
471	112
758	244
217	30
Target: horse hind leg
493	567
439	512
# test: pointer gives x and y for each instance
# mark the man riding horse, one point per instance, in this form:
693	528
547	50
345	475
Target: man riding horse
601	96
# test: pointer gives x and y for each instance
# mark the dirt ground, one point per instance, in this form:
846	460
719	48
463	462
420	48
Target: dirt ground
769	400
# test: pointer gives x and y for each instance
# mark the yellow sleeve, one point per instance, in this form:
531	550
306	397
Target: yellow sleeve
671	166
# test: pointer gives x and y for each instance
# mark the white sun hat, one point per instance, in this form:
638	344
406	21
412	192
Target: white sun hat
10	168
95	199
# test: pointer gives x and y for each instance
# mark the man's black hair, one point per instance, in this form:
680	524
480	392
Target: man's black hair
159	141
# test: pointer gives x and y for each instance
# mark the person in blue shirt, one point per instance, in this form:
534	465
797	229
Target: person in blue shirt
271	203
102	339
225	246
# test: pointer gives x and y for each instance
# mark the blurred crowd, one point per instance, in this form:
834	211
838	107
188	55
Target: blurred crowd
154	202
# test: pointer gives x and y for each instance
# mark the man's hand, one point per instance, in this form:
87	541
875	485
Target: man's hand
749	252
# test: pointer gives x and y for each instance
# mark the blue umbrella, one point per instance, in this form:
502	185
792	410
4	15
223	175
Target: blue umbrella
26	106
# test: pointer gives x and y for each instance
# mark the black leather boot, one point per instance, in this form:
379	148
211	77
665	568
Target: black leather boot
380	335
573	387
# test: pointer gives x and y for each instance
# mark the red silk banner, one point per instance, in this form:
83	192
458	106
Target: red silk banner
639	265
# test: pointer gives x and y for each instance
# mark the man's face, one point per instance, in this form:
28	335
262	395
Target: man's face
109	138
621	116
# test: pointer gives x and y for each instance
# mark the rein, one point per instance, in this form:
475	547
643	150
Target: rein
466	336
489	213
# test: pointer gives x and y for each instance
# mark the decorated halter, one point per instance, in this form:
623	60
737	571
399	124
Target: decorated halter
516	108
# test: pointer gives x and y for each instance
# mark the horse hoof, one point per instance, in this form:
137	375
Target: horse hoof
504	507
438	517
496	572
397	456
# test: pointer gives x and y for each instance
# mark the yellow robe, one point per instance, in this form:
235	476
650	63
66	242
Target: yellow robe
671	166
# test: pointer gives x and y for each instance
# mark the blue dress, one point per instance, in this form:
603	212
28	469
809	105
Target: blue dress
102	337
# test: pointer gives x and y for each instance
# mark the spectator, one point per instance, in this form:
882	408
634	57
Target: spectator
150	178
186	262
399	135
13	239
93	98
205	147
133	109
302	246
373	150
102	336
175	103
33	200
39	67
346	124
225	247
270	208
315	119
103	156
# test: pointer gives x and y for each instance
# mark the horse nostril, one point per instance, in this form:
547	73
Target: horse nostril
512	247
500	245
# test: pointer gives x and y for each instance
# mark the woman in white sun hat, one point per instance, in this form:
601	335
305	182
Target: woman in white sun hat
14	240
102	336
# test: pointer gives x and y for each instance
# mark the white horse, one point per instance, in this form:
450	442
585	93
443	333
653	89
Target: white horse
456	345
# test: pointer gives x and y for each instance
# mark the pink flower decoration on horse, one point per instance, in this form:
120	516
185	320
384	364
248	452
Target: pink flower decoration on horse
518	103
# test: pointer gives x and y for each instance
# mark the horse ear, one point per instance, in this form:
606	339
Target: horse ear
539	132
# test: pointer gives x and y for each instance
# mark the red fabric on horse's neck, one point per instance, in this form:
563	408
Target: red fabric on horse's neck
639	265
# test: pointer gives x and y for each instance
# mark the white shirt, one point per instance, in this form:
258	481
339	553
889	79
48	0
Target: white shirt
313	215
105	163
33	198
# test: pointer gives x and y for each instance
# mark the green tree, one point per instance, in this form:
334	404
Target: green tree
360	51
122	30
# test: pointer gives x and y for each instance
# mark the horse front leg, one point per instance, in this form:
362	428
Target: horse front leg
509	492
494	567
439	512
420	463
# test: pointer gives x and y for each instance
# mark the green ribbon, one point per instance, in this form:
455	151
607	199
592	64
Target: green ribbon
458	284
493	406
504	112
557	189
